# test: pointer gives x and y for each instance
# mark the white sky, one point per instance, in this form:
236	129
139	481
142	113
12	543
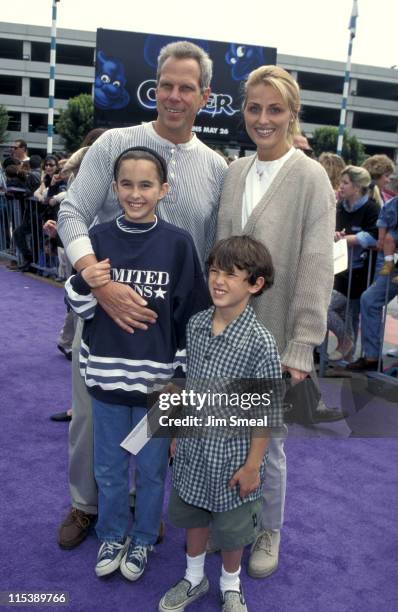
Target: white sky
309	28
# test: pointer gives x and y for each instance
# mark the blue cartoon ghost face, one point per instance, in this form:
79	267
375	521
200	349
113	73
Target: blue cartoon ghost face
243	59
114	86
110	80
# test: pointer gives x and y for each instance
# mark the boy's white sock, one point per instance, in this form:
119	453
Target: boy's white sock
389	258
229	581
195	569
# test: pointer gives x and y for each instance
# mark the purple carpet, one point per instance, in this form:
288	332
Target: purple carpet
339	548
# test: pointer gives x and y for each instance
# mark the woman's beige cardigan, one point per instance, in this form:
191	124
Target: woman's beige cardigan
295	219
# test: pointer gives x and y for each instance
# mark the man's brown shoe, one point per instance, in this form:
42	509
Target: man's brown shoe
75	528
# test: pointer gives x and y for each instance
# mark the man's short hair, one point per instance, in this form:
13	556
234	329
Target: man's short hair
22	144
183	49
245	253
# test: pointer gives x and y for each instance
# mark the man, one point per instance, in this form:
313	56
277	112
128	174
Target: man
19	150
195	175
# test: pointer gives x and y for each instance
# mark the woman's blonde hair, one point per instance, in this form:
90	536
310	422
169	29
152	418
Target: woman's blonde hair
334	165
361	178
377	165
285	84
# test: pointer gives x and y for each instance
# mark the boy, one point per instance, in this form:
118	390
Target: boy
218	478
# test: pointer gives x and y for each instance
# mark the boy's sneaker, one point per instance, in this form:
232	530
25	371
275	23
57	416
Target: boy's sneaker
109	557
233	601
134	561
182	594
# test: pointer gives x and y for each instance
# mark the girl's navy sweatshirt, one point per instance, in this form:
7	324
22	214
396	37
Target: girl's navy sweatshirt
161	264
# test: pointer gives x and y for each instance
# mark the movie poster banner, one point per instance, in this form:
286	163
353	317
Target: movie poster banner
124	91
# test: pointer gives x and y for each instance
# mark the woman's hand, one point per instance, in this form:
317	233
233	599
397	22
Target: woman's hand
98	274
297	375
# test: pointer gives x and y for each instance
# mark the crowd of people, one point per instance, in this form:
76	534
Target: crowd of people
146	214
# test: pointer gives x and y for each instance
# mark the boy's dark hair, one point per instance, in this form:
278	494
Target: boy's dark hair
247	254
142	153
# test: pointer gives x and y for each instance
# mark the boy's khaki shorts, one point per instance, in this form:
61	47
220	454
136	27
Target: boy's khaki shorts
230	530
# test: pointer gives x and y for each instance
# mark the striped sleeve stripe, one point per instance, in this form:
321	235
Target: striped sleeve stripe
86	311
82	305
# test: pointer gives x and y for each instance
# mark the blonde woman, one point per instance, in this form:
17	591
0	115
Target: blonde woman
284	199
356	219
380	168
334	165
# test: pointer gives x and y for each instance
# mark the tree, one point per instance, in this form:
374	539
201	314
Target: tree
325	139
75	121
3	122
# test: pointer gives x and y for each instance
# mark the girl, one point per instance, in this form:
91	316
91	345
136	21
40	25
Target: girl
158	261
356	219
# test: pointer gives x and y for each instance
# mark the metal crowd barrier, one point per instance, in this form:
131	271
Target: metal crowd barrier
16	212
10	219
372	254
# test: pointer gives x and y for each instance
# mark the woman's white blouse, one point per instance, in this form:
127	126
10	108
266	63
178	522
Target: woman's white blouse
258	181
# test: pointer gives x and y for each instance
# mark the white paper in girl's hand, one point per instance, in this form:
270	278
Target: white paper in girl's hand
340	256
137	438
